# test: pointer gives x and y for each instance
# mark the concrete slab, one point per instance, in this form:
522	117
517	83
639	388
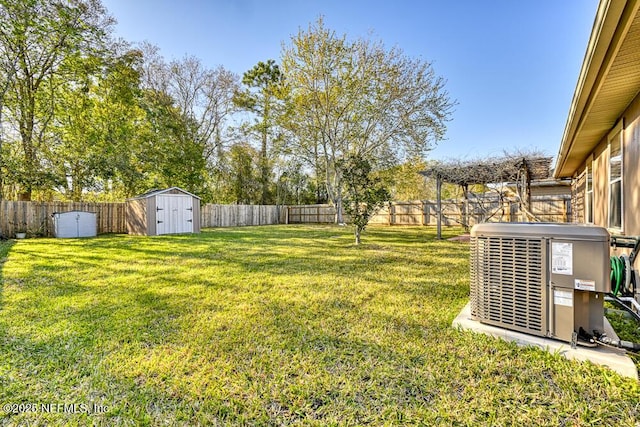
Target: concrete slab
612	358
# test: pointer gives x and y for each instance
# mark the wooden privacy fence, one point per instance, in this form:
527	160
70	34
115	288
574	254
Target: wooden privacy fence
241	215
36	217
424	212
311	214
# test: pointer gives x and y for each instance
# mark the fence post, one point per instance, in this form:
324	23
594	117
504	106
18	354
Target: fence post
425	213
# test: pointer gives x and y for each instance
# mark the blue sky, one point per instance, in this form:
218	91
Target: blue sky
512	65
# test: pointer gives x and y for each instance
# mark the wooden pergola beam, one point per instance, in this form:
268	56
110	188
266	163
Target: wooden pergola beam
521	169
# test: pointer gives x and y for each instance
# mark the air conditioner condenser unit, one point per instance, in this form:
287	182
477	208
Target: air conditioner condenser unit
542	279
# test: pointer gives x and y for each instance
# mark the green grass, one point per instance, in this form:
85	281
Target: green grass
273	326
626	327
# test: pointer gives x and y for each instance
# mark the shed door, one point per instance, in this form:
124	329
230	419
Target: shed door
174	214
67	224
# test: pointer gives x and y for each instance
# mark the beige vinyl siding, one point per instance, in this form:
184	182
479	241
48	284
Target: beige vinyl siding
588	200
631	170
630	144
601	188
578	198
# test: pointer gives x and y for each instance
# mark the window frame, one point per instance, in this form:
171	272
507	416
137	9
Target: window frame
588	192
616	136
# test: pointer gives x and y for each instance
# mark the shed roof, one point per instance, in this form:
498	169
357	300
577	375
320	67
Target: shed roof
609	80
155	192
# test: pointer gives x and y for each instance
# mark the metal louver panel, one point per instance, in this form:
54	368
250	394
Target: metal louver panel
507	279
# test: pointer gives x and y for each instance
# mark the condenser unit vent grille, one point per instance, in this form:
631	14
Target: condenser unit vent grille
507	282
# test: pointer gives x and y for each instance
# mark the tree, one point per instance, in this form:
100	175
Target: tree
406	183
165	155
264	90
294	185
97	122
359	97
244	181
202	98
7	74
188	106
205	98
364	192
39	35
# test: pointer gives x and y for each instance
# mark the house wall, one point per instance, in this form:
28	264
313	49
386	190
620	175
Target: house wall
631	185
578	195
631	176
556	190
600	183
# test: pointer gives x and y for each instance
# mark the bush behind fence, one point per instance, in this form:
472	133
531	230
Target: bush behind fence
36	217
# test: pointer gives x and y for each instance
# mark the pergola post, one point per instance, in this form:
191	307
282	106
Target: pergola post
465	207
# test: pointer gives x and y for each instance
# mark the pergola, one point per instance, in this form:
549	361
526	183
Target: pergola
518	169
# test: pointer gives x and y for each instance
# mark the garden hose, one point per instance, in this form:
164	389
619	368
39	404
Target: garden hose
627	287
625	307
617	274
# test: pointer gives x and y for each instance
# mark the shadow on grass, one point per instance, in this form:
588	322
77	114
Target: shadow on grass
277	254
284	361
56	345
5	249
96	322
160	337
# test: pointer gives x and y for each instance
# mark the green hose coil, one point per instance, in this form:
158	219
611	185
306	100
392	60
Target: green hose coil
617	274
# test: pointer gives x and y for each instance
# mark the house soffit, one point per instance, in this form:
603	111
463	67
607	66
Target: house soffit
612	92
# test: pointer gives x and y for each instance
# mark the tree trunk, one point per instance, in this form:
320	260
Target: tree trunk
339	208
26	122
357	235
264	166
465	207
334	192
439	206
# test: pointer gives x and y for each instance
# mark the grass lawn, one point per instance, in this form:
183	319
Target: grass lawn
272	326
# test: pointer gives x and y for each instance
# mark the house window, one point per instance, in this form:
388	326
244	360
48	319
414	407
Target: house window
615	181
588	202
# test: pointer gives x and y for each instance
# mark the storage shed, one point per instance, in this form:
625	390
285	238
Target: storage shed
74	224
169	211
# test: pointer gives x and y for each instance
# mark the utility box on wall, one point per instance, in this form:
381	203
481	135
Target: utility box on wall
542	279
169	211
74	224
